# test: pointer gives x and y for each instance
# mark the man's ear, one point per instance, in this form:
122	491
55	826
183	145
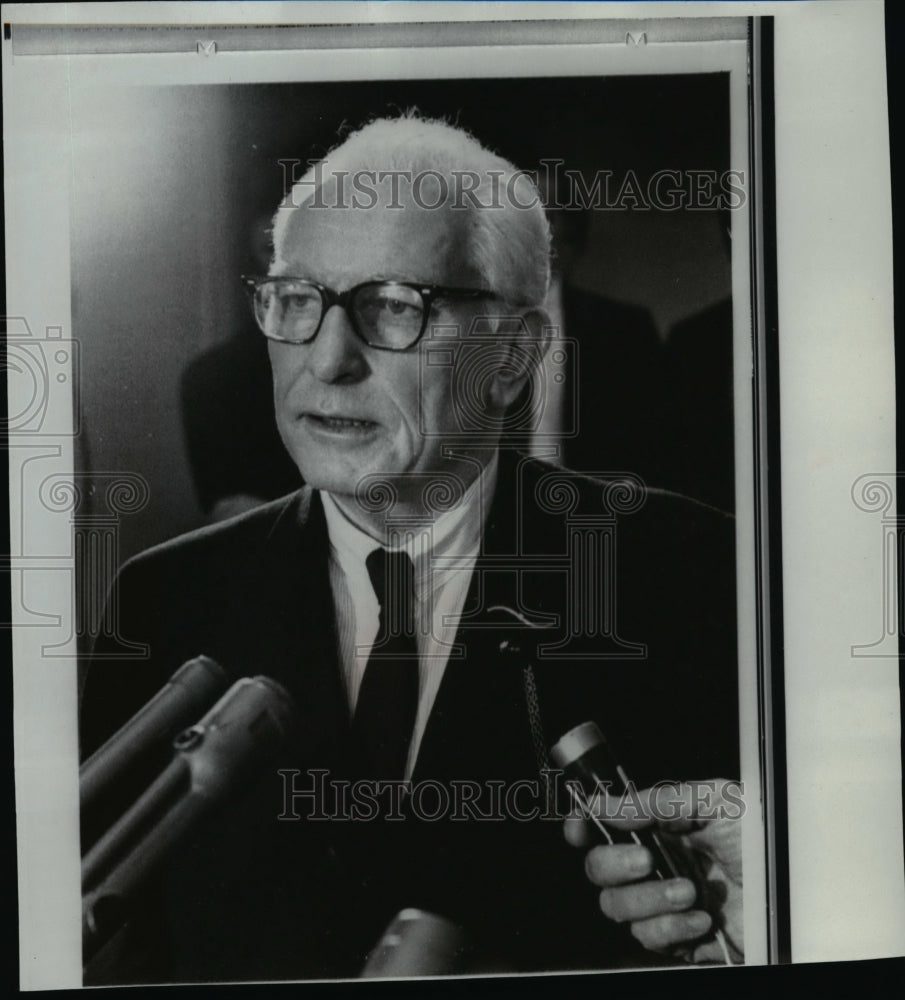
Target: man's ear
527	339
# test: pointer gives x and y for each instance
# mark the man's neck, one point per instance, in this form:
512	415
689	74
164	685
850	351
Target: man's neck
418	507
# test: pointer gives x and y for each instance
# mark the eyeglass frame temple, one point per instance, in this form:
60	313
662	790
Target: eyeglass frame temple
329	298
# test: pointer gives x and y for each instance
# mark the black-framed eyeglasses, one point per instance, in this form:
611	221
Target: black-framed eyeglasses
387	315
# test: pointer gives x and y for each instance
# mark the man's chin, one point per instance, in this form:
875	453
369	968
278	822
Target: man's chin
364	480
335	483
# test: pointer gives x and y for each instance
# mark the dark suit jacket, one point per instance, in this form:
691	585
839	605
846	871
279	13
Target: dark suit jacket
261	898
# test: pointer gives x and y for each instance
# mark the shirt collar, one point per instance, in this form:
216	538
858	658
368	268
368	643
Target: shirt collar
452	536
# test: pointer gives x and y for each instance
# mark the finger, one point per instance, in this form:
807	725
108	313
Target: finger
677	807
646	900
711	951
711	836
718	847
578	832
632	810
665	932
617	864
693	806
629	811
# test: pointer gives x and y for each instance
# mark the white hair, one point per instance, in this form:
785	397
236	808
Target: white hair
508	234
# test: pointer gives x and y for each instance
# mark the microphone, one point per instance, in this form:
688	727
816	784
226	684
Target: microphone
584	755
417	943
214	760
134	753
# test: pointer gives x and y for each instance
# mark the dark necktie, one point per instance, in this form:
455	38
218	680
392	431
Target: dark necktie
388	698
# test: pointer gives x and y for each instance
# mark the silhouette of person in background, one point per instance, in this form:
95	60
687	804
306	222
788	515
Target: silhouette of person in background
237	458
610	404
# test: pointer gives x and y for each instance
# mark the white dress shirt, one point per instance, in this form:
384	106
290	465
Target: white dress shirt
443	555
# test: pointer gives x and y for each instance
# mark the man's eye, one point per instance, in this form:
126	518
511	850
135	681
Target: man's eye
397	303
297	301
396	306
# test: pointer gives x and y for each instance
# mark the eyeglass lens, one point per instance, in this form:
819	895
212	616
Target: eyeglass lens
385	314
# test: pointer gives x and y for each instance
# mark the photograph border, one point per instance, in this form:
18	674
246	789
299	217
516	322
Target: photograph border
768	543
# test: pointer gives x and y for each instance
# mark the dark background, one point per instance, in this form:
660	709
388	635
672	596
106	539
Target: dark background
170	184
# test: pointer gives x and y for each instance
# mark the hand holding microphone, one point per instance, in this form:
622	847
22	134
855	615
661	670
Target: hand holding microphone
671	868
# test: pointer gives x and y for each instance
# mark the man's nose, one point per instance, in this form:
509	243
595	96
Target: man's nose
336	353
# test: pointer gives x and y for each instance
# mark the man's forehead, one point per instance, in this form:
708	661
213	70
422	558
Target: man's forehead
347	242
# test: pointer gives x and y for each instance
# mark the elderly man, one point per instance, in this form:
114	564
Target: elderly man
439	607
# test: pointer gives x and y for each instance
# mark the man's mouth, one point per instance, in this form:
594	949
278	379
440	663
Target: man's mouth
339	423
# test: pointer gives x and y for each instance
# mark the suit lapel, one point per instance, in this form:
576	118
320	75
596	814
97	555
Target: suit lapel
295	635
479	719
479	722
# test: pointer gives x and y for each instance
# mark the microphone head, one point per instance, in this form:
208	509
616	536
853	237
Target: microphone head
254	720
417	943
257	704
576	743
112	776
203	675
